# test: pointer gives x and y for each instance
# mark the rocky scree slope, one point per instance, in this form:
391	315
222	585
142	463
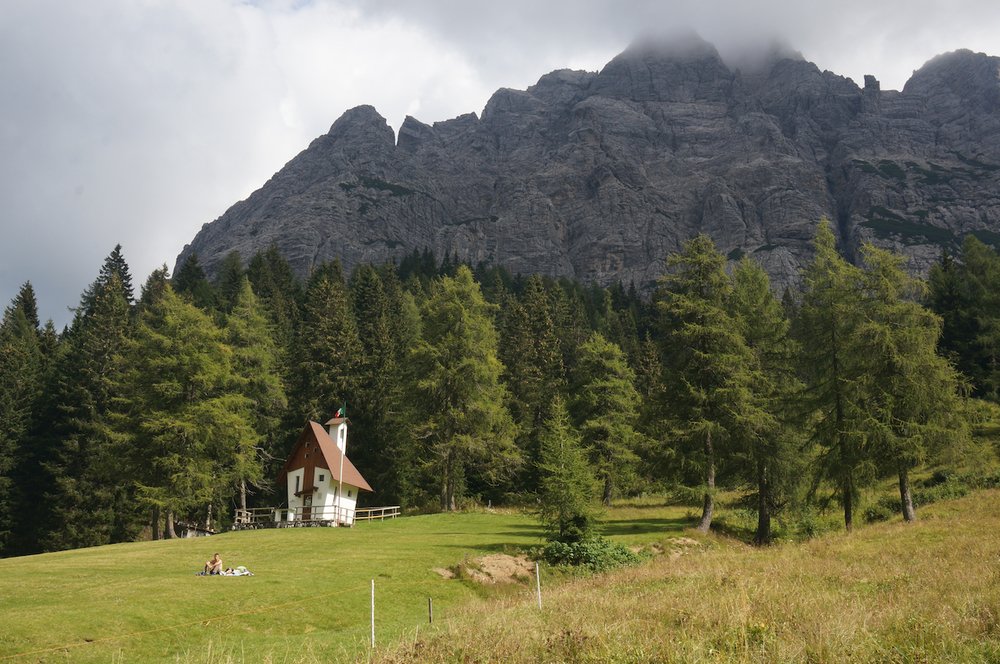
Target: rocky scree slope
598	176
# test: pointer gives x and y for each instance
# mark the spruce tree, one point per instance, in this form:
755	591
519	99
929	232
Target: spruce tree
191	282
464	425
21	376
229	281
327	351
533	367
566	485
605	409
86	505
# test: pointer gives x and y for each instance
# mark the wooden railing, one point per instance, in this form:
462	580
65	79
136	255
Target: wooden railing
283	517
373	513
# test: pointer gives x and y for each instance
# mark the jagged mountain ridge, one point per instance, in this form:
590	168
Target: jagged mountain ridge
598	176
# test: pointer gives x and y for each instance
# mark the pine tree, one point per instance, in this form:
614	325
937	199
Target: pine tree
280	292
709	366
566	481
911	392
185	426
465	426
770	460
256	375
834	364
605	408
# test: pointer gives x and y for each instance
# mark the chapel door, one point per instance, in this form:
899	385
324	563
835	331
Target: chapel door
307	501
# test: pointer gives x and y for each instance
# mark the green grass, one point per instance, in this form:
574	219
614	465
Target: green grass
892	592
308	600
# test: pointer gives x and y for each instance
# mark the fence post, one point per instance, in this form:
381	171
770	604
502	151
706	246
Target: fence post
430	610
373	614
538	585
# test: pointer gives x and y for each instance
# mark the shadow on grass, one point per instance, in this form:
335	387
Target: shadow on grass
644	526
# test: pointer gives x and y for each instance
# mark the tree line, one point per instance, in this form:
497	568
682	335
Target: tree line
462	384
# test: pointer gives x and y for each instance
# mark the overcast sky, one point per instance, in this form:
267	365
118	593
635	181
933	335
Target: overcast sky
137	121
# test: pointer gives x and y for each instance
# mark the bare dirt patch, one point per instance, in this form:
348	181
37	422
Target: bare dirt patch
492	569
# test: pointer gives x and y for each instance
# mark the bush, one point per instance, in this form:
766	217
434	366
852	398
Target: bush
595	554
878	512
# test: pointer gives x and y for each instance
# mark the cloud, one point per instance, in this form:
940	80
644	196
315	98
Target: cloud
136	121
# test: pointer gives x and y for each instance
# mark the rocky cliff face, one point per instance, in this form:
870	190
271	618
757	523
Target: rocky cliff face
598	176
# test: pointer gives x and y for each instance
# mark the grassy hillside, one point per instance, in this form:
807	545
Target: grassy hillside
890	592
927	592
308	600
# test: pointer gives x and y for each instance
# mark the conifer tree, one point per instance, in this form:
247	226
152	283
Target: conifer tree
566	481
85	504
533	368
191	281
280	292
327	351
230	281
21	375
377	407
256	376
464	426
185	427
834	364
709	366
605	408
911	392
770	460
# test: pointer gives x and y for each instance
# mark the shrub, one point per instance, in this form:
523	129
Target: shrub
595	554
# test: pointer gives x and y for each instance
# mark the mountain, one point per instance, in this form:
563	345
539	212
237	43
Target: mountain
598	176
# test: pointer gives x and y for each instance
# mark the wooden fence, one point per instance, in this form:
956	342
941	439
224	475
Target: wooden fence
283	517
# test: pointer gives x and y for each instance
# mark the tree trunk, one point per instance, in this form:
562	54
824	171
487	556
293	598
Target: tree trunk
906	498
709	505
848	504
170	533
208	518
243	495
606	499
763	535
154	523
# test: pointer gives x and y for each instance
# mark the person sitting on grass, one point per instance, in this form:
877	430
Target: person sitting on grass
214	566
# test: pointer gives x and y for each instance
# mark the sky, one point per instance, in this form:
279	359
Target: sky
134	122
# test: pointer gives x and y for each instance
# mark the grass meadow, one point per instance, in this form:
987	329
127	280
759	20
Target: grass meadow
890	592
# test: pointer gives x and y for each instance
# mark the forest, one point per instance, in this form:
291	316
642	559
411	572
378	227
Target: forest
467	385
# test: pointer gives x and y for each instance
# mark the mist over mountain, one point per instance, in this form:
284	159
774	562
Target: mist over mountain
598	176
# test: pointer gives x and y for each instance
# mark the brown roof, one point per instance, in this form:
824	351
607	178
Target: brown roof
331	454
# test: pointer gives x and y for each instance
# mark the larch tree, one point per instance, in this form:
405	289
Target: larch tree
255	363
708	365
770	458
186	427
464	425
912	393
566	486
834	364
605	409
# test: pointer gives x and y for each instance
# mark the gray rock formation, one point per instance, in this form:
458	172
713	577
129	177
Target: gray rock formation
600	176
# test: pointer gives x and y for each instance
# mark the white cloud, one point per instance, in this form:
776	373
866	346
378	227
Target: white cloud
136	121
